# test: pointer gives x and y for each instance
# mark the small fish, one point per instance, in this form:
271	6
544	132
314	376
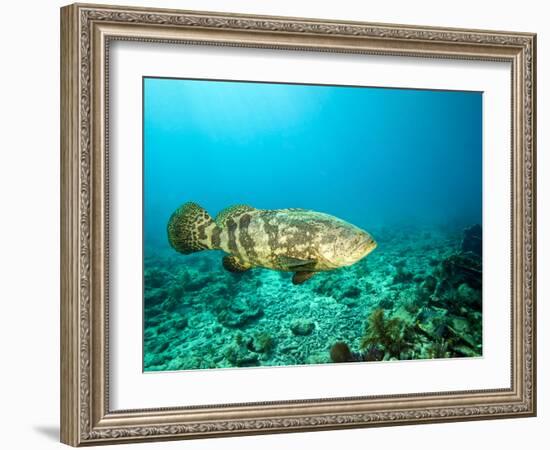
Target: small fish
290	240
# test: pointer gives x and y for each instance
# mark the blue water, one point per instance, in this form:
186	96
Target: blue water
368	155
387	160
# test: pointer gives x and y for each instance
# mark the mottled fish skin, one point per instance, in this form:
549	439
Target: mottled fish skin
268	238
293	240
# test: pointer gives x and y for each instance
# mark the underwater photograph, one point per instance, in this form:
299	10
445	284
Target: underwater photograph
290	224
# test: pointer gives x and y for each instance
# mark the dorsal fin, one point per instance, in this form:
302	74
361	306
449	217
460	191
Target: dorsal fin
231	211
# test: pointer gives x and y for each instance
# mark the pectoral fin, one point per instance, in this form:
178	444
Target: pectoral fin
293	263
300	277
233	264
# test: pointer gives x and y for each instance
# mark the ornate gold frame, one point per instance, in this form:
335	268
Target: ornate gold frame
86	31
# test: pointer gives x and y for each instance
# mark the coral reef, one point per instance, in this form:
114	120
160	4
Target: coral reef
302	327
472	240
389	333
340	352
418	296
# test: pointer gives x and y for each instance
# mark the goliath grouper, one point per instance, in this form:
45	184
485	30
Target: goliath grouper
290	240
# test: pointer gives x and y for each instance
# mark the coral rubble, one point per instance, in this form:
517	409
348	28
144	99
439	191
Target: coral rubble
418	296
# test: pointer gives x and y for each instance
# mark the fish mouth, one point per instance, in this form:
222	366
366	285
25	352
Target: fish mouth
370	248
365	247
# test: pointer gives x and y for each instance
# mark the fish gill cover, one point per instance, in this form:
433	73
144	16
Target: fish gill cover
403	166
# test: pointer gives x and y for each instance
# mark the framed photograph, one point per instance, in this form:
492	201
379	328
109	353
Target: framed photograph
276	224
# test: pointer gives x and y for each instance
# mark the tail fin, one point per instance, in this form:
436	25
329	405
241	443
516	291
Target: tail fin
190	229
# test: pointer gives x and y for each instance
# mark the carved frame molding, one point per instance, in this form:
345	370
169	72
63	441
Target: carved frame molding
86	32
